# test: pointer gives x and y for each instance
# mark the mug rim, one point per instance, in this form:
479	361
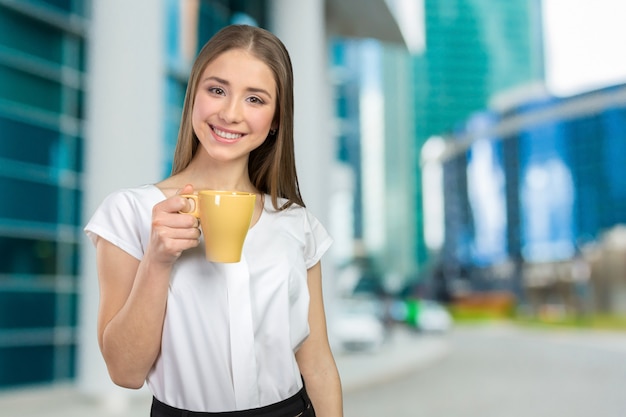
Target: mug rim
232	193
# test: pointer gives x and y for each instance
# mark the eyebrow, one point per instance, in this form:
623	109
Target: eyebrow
225	82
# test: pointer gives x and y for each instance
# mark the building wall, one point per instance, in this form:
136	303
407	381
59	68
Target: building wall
401	161
563	192
42	90
477	52
374	120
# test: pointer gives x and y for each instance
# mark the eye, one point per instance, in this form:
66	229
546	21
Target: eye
216	90
255	100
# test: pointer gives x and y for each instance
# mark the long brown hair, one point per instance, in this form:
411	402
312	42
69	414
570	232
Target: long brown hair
272	166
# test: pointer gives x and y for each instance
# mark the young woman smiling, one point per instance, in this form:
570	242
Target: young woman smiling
242	339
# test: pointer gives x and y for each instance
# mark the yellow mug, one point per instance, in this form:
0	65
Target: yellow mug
225	218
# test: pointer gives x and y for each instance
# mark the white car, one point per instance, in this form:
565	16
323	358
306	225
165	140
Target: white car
433	317
357	326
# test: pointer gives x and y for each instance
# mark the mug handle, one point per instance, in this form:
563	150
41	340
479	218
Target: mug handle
195	212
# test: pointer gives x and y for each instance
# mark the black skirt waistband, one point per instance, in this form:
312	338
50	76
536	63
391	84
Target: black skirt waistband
297	405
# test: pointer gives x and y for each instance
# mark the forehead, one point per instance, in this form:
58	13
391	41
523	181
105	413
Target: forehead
238	65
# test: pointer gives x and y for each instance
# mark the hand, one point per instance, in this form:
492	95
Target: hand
172	231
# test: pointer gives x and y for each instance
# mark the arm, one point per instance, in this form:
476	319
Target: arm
133	294
315	358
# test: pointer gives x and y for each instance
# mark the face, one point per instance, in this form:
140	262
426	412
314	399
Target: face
234	105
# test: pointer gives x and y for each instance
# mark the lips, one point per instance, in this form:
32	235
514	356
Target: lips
228	136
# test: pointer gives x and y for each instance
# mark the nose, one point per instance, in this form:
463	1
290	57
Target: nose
230	111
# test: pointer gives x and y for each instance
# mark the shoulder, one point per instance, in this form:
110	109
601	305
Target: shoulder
305	227
123	218
121	205
284	211
135	197
294	211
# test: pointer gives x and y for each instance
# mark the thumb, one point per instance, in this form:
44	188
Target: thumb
187	189
188	202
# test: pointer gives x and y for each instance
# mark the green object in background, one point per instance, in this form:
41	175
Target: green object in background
412	311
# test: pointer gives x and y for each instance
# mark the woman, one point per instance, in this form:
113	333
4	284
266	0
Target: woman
243	339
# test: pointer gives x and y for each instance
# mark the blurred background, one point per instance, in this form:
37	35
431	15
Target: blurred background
467	156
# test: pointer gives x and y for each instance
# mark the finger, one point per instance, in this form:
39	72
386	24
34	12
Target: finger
171	205
170	234
175	204
189	204
167	214
185	234
186	221
187	189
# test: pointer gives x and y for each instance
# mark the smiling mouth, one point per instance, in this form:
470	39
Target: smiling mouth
226	135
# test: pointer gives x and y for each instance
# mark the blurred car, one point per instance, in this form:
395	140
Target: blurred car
424	315
358	325
433	317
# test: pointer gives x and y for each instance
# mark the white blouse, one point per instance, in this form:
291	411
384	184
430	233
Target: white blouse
231	330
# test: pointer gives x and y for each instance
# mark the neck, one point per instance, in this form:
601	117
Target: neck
203	174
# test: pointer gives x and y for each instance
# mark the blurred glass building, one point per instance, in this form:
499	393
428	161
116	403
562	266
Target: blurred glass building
42	92
493	101
532	185
530	180
464	55
475	52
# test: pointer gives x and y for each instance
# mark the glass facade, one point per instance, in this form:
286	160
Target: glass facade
546	190
486	192
374	120
42	50
475	49
556	181
346	69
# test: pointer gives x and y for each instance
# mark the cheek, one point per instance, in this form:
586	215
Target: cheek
264	121
198	114
198	110
195	121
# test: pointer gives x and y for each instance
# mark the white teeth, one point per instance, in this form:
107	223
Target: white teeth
227	135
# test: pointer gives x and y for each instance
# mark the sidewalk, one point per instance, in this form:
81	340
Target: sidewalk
403	353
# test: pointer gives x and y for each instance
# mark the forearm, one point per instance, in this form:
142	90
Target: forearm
131	340
315	358
324	388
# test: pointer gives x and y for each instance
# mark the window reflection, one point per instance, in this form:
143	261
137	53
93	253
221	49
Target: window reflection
547	196
486	193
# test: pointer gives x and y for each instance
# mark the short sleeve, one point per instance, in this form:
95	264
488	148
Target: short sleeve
317	240
124	220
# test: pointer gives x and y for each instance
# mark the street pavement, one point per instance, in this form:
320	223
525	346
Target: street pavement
403	353
507	370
